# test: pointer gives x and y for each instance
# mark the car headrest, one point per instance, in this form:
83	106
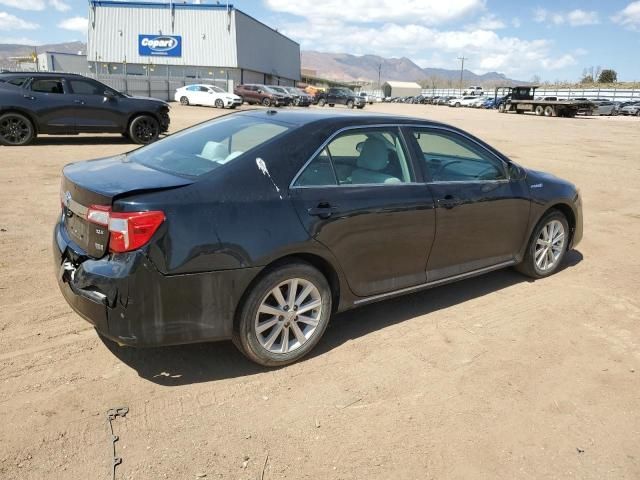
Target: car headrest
374	155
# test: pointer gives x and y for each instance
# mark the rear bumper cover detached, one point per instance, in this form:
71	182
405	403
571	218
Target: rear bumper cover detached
129	301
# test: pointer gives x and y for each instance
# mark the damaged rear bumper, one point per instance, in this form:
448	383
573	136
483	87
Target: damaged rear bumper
129	301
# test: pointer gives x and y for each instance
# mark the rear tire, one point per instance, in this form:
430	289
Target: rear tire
322	102
549	111
270	332
266	102
539	110
16	130
144	129
184	100
551	235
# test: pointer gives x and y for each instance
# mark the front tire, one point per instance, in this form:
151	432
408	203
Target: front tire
547	246
350	104
144	129
284	315
322	102
219	103
16	130
266	102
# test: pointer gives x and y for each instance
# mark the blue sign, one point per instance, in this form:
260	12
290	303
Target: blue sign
159	45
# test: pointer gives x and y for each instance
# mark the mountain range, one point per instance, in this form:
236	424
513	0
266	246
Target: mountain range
346	67
334	66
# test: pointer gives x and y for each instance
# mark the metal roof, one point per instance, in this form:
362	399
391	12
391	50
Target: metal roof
394	84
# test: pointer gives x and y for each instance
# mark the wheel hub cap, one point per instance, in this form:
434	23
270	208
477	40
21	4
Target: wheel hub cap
549	245
288	316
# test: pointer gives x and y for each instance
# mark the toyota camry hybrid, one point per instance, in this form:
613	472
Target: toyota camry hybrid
259	225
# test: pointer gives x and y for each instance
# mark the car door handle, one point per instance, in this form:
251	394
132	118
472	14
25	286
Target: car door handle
323	210
79	102
449	201
29	97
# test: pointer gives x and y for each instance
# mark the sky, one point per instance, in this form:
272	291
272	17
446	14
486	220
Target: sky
553	40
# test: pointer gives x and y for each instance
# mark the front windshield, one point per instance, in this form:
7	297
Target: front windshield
206	147
278	89
272	89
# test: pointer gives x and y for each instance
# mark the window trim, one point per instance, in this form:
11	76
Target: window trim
409	154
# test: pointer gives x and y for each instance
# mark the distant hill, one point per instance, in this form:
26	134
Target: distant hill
346	67
13	50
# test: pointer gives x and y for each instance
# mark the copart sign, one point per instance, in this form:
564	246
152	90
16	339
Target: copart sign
160	45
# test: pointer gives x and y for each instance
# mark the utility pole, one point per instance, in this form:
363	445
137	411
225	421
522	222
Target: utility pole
462	59
379	74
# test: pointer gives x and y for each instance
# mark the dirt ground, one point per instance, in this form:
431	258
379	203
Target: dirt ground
493	377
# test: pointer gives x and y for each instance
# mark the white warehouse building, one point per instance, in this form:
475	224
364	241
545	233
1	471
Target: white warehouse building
192	40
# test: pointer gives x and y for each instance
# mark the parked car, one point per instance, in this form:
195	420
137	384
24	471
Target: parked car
189	239
367	98
288	98
604	107
340	96
473	90
300	97
462	101
478	102
489	103
207	95
260	94
66	104
631	109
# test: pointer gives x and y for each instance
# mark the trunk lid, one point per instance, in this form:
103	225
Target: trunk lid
100	182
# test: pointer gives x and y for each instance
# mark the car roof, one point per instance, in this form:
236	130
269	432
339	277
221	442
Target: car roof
39	74
340	119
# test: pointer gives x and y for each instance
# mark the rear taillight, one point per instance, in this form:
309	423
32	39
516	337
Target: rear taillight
127	230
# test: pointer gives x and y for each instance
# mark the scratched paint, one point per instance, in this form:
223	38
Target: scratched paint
262	166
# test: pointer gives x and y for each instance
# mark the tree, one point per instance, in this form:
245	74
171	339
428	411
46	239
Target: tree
536	80
608	76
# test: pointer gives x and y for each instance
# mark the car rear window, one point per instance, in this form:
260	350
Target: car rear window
204	148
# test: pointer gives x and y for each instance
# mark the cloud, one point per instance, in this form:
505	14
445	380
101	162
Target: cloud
487	22
575	18
36	5
76	24
25	4
19	41
485	49
629	16
59	5
427	12
11	22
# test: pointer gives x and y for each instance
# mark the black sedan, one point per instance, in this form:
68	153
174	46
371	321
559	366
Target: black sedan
259	225
66	104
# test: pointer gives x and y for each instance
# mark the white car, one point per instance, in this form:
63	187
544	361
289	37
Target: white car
473	90
479	101
207	95
462	101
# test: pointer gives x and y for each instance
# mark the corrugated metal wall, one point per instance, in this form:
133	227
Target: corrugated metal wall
262	49
208	34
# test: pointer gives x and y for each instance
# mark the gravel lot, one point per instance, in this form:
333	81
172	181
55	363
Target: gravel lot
493	377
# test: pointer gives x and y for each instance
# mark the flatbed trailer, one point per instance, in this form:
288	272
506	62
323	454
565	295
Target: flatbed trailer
522	99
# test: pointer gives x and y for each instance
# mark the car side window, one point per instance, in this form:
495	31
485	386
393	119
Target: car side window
450	157
193	88
360	157
204	89
86	87
47	85
18	82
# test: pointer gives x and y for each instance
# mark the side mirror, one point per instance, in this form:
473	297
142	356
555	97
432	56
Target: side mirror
359	146
109	95
516	172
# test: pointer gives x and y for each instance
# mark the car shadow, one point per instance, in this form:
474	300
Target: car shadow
205	362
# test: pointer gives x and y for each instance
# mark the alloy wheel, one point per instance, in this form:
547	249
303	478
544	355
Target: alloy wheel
549	245
184	100
146	130
288	316
14	130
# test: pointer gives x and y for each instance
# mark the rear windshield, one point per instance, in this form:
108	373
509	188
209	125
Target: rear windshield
206	147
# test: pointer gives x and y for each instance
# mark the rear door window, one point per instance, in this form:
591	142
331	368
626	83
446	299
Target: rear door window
207	147
47	85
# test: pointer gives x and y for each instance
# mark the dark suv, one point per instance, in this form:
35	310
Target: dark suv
340	96
261	94
67	104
